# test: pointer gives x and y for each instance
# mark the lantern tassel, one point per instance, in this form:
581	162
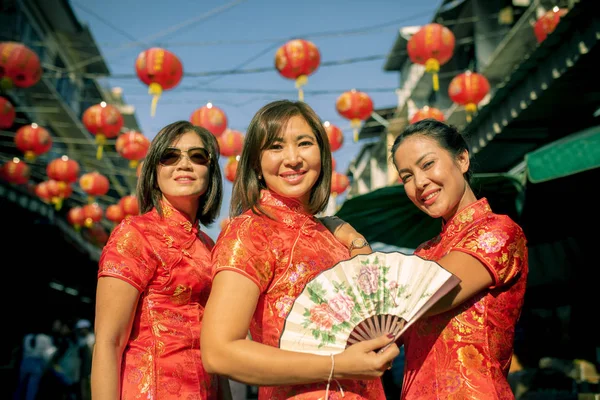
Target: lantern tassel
155	90
433	66
355	123
100	141
133	163
470	108
436	82
301	81
29	156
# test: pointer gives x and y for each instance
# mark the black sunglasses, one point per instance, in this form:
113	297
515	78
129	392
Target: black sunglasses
197	155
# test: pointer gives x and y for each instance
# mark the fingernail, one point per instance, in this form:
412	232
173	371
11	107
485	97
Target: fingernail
391	335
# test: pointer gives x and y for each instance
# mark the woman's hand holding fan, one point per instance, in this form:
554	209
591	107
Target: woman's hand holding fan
365	297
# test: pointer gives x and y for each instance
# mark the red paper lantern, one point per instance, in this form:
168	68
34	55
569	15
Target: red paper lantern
115	213
547	23
63	169
19	66
231	169
335	136
211	118
339	183
7	113
33	140
94	184
231	143
133	146
103	121
160	70
355	106
432	46
59	191
75	217
468	89
428	112
297	59
92	213
129	204
16	171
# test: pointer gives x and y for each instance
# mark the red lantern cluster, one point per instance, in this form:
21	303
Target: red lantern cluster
468	89
133	146
297	59
54	192
547	23
355	106
211	118
33	140
335	136
7	113
426	113
19	66
160	70
432	46
103	121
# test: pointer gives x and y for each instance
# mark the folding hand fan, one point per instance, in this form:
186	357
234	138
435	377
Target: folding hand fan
363	298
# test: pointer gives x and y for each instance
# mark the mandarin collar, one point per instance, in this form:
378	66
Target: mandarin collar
468	214
183	231
289	211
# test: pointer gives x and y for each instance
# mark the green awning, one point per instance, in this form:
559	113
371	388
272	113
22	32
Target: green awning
572	154
386	215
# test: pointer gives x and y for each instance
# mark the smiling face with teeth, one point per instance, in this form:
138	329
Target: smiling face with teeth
184	182
292	164
433	179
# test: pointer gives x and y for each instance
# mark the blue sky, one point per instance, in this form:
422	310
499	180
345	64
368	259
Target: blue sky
222	35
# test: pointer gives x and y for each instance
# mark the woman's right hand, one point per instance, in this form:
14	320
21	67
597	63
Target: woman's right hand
363	361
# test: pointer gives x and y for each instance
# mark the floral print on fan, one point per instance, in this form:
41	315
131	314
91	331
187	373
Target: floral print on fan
347	303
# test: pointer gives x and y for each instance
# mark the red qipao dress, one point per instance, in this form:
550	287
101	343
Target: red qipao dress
465	353
168	261
281	256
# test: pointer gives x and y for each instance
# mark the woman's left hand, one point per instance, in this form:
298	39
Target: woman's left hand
344	232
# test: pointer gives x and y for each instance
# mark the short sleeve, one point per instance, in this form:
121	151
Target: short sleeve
244	248
499	244
128	256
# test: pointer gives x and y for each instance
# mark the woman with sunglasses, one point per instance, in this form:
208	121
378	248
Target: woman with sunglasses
154	277
272	247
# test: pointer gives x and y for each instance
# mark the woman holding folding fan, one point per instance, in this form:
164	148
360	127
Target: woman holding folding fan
462	348
273	246
154	277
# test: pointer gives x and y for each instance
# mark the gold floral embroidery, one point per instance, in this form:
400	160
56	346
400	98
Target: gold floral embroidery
129	244
470	357
181	295
466	216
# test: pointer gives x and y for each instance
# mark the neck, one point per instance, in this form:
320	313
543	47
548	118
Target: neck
185	205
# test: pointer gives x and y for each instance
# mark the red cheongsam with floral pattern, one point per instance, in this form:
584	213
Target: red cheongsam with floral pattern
168	261
281	256
465	353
